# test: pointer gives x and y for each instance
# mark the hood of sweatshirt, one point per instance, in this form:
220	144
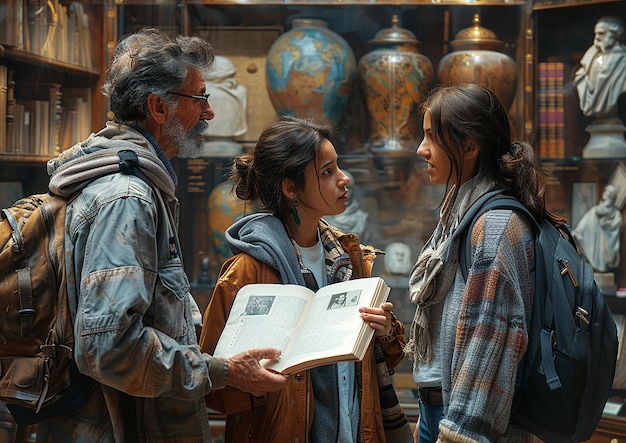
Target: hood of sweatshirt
264	237
98	155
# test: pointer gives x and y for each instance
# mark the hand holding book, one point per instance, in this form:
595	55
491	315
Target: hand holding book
378	318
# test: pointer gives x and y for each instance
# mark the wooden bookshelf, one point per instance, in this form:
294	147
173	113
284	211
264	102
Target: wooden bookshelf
43	52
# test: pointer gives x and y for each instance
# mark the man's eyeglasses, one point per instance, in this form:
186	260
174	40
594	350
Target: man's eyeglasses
203	97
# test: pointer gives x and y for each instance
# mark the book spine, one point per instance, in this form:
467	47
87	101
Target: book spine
551	111
81	52
551	115
542	139
56	115
559	113
11	141
76	121
20	117
3	108
20	24
8	21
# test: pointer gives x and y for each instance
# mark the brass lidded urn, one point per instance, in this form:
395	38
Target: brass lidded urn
394	79
477	57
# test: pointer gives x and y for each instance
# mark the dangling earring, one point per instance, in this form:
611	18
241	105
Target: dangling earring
294	211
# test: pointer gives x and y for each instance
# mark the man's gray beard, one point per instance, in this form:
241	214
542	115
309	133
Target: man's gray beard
186	143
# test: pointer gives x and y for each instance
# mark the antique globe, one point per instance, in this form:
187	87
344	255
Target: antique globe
310	71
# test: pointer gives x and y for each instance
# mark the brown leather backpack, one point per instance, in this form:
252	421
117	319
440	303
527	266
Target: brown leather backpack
39	379
36	337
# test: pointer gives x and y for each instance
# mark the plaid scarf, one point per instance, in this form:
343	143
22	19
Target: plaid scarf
436	267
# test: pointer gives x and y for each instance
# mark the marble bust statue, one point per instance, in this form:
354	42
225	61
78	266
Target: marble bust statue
598	233
601	78
600	81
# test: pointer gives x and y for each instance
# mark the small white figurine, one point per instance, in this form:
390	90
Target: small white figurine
397	258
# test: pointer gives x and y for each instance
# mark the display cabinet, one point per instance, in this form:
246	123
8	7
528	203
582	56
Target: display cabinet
576	154
545	39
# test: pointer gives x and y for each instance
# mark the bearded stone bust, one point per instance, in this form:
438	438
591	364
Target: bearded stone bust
601	78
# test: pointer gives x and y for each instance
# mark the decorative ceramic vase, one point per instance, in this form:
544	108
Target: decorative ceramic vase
394	79
477	58
310	71
224	209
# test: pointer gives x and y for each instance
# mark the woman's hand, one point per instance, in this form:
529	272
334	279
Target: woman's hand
379	318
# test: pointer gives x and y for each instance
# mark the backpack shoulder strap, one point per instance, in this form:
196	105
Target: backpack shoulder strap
129	164
498	201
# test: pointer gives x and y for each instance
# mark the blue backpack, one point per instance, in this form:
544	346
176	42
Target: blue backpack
567	374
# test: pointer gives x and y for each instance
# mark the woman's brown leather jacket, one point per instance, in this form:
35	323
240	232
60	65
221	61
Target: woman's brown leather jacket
286	416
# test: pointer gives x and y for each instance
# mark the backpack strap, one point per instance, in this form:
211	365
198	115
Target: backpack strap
18	240
129	164
501	201
27	310
25	290
486	203
490	201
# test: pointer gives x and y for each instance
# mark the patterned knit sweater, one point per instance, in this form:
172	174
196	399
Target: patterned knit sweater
484	329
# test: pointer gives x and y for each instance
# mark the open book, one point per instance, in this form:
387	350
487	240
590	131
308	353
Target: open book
311	329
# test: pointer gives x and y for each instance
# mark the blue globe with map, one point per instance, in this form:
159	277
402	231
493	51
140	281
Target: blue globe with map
310	71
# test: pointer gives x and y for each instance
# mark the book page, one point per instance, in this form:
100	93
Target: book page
333	326
263	315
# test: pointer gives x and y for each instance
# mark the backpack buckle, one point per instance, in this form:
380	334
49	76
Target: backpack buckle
128	161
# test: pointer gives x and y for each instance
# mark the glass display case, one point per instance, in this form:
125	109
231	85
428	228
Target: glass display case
390	185
393	188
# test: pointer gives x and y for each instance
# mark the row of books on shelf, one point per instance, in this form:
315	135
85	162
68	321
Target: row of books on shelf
49	29
41	118
551	113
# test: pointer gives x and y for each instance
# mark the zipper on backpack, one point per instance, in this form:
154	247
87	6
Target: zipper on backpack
565	269
582	315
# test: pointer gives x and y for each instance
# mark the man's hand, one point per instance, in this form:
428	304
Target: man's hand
245	372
